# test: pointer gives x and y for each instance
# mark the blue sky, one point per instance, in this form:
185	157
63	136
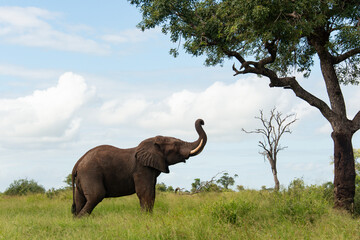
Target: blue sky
77	74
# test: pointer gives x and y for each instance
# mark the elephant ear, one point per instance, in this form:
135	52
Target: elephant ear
149	154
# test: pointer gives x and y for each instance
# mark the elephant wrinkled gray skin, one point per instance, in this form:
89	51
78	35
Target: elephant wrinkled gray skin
107	171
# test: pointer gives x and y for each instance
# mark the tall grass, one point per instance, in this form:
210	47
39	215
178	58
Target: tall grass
293	214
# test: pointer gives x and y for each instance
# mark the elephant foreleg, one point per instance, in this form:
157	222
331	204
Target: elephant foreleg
145	190
146	203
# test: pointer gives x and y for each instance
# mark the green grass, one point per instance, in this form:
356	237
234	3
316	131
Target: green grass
300	214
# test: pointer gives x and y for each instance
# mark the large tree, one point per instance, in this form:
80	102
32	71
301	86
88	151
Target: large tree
275	38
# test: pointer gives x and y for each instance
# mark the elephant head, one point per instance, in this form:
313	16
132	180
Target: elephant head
160	152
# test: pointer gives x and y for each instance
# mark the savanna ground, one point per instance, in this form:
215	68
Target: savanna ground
295	213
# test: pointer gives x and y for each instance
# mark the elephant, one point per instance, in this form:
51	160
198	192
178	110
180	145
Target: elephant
107	171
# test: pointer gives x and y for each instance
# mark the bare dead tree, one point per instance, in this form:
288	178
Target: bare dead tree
272	131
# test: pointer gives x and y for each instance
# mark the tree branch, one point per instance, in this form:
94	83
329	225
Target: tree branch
272	49
311	99
264	146
345	56
236	55
288	83
356	122
257	67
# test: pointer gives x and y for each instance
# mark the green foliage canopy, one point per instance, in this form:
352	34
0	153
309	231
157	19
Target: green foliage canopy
277	33
68	181
24	187
226	180
357	158
357	181
204	186
161	187
357	167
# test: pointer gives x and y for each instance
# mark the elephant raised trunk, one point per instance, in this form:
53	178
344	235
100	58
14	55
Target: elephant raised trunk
199	144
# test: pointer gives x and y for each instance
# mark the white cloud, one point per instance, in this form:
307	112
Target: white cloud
45	115
114	112
353	105
325	129
308	166
225	108
22	18
18	71
303	110
130	36
28	27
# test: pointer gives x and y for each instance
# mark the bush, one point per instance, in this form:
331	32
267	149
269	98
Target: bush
357	198
170	189
24	187
303	204
52	192
68	181
161	187
232	211
328	191
240	188
204	186
297	185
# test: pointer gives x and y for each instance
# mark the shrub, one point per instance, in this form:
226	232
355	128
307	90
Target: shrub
68	181
328	189
240	188
24	187
161	187
170	189
232	211
226	180
303	204
52	192
357	197
296	185
204	186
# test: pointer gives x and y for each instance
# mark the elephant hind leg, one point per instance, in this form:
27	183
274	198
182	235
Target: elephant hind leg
91	202
80	202
93	194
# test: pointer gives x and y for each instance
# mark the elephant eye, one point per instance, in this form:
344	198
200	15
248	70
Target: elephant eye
173	147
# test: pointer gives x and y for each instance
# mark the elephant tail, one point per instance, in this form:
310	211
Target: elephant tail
73	176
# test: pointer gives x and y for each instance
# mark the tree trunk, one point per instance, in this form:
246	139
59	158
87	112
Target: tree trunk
343	129
272	161
277	183
344	178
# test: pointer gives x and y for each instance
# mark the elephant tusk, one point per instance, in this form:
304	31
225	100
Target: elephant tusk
194	151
